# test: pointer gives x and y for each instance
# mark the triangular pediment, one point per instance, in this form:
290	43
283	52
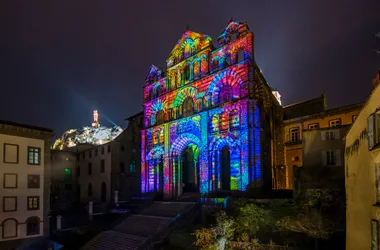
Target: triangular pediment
195	41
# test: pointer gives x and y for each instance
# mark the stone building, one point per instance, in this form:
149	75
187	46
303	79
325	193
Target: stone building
362	171
114	166
211	121
302	117
24	183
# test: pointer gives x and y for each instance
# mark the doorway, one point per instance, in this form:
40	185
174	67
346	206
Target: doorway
190	171
225	168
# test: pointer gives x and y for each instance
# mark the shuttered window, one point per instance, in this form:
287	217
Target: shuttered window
371	131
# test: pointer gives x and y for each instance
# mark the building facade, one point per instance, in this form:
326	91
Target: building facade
205	120
309	116
114	166
362	172
24	185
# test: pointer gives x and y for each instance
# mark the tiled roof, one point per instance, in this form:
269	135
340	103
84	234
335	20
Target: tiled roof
309	107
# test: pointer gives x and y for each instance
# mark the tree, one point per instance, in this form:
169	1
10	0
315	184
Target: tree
311	224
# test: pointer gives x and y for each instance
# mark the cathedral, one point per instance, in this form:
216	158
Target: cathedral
211	121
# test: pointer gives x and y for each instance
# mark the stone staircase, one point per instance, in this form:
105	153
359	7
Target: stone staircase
140	231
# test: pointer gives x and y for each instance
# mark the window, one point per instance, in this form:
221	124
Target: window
33	202
68	176
122	167
33	181
34	156
215	64
90	154
109	148
160	118
32	226
9	203
102	165
334	123
10	181
132	166
188	107
330	157
96	152
295	158
89	168
313	126
102	150
83	156
354	118
294	134
122	148
10	153
374	235
89	190
10	228
225	93
377	172
330	135
186	72
78	171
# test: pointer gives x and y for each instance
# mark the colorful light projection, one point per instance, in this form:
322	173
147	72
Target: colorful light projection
202	107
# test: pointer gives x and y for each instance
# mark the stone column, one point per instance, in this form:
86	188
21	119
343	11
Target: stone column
59	224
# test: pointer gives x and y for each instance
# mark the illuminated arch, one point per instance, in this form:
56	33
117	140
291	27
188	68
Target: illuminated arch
228	77
183	94
155	153
183	141
152	110
220	142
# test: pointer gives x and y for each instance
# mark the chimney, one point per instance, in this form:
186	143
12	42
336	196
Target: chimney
376	79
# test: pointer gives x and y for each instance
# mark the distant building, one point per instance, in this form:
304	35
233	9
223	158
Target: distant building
362	171
24	185
114	166
302	117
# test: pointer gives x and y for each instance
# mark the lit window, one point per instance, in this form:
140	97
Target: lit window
335	123
34	156
313	126
33	202
294	134
68	176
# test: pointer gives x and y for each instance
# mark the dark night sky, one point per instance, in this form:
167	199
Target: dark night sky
59	60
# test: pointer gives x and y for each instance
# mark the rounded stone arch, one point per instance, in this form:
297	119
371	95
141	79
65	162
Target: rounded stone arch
153	109
226	78
5	224
155	153
187	43
182	141
33	225
218	143
183	94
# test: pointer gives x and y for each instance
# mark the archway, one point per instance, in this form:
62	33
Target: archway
103	192
225	168
190	169
33	226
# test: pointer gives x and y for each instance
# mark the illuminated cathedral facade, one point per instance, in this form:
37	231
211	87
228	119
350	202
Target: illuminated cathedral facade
211	121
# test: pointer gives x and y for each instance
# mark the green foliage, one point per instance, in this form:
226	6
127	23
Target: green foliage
253	218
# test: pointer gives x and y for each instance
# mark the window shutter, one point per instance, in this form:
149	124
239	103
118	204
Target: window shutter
377	128
323	135
377	171
370	132
336	134
324	158
338	158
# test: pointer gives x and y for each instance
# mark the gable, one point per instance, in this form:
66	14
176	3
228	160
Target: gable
154	74
189	43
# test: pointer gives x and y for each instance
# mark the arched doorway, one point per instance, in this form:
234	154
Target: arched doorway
103	192
225	168
190	171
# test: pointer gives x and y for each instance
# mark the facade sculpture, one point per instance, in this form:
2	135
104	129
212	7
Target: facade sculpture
205	119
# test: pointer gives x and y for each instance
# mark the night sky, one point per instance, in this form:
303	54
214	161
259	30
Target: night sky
60	60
